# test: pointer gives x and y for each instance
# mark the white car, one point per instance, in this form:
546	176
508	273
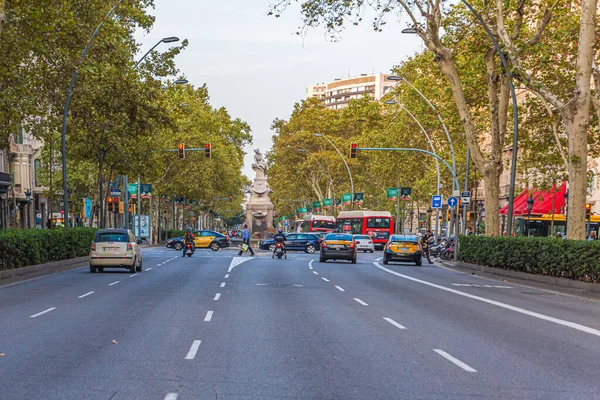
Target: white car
115	248
364	243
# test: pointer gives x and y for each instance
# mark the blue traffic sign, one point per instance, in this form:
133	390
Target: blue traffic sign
436	201
452	201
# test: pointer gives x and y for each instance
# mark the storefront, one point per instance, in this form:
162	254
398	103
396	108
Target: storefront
4	185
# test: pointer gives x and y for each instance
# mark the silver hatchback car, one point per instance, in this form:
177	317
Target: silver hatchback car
364	243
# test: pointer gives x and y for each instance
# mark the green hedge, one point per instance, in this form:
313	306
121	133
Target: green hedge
171	233
20	248
573	259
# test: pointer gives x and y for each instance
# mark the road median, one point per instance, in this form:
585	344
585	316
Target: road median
14	275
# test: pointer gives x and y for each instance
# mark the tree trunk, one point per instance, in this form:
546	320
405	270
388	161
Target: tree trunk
491	180
100	192
576	117
2	16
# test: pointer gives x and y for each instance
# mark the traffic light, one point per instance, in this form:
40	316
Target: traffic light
353	147
588	210
181	148
110	204
116	204
276	200
230	199
207	151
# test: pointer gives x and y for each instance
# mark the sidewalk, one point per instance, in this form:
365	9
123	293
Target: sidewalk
537	281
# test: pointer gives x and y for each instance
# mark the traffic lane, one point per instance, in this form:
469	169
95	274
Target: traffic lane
73	348
271	338
577	309
58	288
525	351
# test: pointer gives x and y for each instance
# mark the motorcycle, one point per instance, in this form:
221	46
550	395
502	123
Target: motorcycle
189	249
279	252
448	252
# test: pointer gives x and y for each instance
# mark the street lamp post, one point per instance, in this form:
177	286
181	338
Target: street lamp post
429	212
28	199
345	163
437	163
529	208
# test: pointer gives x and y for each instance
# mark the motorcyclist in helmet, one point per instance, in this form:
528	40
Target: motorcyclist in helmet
188	238
280	238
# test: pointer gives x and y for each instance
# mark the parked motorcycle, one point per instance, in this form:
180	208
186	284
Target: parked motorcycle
447	252
189	249
279	251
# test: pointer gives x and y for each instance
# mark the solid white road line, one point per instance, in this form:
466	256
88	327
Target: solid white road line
222	284
310	267
359	301
310	264
557	321
217	296
208	317
171	396
114	283
193	350
149	269
43	312
131	276
325	279
297	285
341	289
226	276
455	360
315	272
379	259
85	295
397	325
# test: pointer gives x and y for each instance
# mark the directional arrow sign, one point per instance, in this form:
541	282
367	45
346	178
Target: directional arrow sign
436	202
452	201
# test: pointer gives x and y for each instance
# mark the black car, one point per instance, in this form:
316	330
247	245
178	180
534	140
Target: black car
307	242
203	239
404	248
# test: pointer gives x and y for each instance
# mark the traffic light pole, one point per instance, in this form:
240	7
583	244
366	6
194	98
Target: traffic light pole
125	202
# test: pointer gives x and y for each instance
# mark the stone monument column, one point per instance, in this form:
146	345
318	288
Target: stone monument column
259	209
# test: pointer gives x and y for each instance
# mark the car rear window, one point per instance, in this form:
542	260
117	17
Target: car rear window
361	237
404	239
111	237
336	236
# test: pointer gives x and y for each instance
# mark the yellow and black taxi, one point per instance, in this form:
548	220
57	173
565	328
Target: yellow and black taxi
338	246
202	240
404	248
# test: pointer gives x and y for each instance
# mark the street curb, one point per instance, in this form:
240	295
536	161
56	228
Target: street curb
565	285
15	275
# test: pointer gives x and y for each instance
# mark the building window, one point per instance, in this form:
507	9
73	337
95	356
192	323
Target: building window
37	165
18	137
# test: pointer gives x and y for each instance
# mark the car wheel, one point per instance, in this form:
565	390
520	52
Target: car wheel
178	246
418	263
132	268
371	251
310	249
272	248
214	246
100	269
92	269
139	267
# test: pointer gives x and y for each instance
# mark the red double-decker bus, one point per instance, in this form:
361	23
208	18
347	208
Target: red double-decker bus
315	223
377	224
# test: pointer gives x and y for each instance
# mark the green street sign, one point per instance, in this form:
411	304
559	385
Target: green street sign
303	210
392	194
132	188
326	202
347	198
316	204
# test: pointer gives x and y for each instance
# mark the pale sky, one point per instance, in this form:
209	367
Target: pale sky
256	67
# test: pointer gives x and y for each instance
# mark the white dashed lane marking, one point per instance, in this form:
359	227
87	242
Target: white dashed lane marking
341	289
359	301
85	295
208	317
42	313
217	296
455	360
315	272
222	284
193	350
397	325
325	279
171	396
114	283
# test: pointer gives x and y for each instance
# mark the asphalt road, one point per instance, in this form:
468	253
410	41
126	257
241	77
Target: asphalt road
218	326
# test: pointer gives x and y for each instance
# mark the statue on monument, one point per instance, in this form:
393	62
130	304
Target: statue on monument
260	165
259	209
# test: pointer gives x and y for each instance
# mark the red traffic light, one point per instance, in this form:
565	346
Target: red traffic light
588	206
181	148
353	149
207	150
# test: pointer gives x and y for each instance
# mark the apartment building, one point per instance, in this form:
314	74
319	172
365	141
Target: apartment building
21	197
337	94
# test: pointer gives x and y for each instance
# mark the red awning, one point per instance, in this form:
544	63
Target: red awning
544	200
